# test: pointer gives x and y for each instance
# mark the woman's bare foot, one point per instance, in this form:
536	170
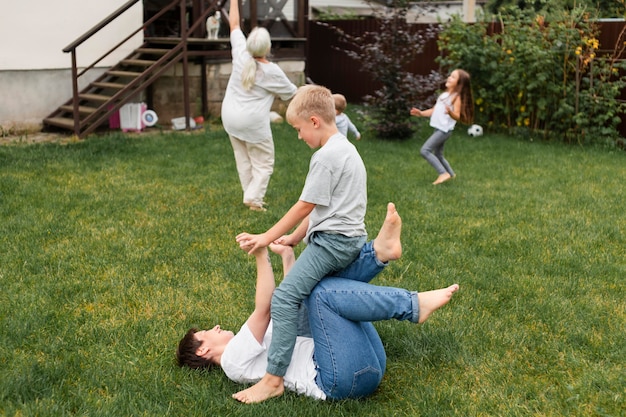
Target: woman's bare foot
442	178
430	301
269	386
387	243
281	250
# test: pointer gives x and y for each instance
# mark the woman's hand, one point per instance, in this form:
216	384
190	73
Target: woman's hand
250	243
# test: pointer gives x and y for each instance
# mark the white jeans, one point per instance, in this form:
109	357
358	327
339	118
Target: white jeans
255	165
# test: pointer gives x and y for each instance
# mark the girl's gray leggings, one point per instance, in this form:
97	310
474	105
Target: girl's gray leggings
432	151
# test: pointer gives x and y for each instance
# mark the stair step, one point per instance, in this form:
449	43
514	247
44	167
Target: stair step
137	62
152	51
63	122
94	97
129	74
81	109
100	84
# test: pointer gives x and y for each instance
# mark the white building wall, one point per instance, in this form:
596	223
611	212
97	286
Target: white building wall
34	70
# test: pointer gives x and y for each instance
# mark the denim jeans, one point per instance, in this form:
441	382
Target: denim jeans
364	268
324	254
349	354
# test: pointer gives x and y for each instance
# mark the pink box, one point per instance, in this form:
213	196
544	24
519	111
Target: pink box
114	119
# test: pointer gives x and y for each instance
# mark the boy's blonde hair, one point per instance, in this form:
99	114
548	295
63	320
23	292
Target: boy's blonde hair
340	102
312	100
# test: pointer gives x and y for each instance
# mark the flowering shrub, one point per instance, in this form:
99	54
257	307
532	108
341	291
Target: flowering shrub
533	75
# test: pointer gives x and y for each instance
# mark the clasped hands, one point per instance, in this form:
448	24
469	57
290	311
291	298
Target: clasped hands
251	242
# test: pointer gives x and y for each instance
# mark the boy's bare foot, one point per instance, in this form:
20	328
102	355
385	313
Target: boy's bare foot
387	243
442	178
269	386
430	301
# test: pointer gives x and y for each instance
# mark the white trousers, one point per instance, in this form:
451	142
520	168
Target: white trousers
255	165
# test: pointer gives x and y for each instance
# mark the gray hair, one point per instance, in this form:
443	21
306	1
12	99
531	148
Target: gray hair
258	45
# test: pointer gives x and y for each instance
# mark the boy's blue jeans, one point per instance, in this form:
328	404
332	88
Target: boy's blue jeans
349	354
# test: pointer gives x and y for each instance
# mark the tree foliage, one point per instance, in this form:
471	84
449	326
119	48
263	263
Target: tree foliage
605	8
540	75
385	54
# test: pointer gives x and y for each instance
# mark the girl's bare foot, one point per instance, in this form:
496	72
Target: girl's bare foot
387	243
430	301
442	178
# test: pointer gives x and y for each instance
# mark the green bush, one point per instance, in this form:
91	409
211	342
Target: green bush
534	75
383	53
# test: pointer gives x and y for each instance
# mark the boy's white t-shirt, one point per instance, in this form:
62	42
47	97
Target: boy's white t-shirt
345	125
246	114
244	360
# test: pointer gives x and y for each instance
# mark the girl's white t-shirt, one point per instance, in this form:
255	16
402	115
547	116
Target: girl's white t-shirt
440	119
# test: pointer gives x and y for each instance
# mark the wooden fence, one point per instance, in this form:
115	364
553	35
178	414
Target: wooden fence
334	69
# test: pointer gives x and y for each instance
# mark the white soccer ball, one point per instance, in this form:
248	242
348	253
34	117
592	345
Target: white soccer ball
475	130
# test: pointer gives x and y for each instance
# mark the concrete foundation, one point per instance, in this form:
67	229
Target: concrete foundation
168	97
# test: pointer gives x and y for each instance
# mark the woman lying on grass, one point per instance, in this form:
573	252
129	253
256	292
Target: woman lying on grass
349	360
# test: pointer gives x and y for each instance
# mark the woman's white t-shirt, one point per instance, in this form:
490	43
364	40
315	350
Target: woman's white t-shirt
244	360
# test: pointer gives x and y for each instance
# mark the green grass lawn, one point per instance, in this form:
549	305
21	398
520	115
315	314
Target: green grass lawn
113	247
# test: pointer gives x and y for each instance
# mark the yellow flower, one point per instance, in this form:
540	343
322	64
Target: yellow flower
593	42
527	121
522	109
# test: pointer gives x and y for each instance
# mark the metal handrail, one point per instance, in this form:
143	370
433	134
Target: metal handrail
99	26
91	32
71	48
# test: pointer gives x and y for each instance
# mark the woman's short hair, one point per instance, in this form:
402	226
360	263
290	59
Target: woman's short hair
186	352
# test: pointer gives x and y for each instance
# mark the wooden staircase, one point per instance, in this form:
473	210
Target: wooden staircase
117	86
91	107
